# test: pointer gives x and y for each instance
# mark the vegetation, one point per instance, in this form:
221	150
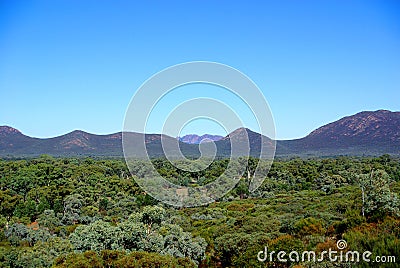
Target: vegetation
91	213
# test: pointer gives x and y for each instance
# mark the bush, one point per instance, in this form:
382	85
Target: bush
120	259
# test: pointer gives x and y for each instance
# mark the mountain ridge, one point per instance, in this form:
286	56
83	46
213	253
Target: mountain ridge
364	133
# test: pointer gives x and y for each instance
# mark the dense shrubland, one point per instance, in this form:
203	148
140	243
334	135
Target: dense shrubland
91	213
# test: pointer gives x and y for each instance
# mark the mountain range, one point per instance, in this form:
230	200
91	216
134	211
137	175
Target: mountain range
363	134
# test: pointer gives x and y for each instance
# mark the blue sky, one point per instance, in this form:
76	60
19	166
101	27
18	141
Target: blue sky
68	65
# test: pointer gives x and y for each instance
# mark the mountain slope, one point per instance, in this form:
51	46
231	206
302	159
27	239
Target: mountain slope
380	126
239	137
365	133
12	139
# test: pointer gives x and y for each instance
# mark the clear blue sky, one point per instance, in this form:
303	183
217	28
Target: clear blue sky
68	65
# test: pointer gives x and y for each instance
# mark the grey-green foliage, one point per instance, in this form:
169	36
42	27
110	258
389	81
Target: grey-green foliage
96	236
18	233
178	243
134	235
72	209
122	205
145	231
48	219
377	194
39	235
42	254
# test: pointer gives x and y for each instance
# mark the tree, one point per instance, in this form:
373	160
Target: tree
43	205
376	195
151	215
35	236
8	202
142	231
72	209
48	220
103	204
17	233
58	206
242	188
96	236
181	244
26	209
42	254
133	235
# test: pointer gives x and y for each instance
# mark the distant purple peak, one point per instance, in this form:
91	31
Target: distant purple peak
196	139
